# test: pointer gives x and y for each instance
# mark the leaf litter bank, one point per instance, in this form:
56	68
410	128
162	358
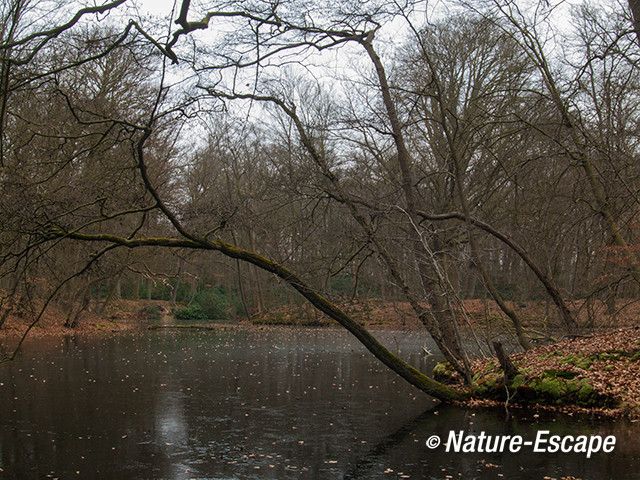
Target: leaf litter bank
591	374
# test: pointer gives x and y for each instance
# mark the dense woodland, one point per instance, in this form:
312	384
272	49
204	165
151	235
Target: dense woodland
250	154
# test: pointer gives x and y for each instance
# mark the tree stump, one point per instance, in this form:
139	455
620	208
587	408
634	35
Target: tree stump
510	370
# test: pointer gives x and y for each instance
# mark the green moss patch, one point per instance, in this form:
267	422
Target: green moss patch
552	387
577	360
444	372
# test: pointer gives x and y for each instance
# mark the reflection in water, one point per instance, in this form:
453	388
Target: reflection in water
171	426
254	404
370	461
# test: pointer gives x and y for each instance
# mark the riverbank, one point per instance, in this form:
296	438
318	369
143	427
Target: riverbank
596	374
121	315
593	373
539	318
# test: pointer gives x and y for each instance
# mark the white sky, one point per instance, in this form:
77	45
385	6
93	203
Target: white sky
158	7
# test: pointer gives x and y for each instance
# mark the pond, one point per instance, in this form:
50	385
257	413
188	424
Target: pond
250	403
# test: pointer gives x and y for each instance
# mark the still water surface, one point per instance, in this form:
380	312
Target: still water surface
245	403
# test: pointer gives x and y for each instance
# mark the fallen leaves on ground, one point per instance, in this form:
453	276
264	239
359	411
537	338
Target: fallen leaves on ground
606	360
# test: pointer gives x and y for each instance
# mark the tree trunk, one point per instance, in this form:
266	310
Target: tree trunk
98	295
243	296
110	297
435	294
256	277
509	369
406	371
174	293
409	373
136	289
634	5
117	293
194	290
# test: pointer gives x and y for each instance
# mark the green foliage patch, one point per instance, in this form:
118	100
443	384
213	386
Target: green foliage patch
207	305
152	312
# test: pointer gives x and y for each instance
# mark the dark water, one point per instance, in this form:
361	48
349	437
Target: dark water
257	404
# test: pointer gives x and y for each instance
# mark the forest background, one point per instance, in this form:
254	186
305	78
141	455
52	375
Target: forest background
231	158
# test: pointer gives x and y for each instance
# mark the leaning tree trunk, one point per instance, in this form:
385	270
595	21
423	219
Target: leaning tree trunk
435	293
634	5
396	364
